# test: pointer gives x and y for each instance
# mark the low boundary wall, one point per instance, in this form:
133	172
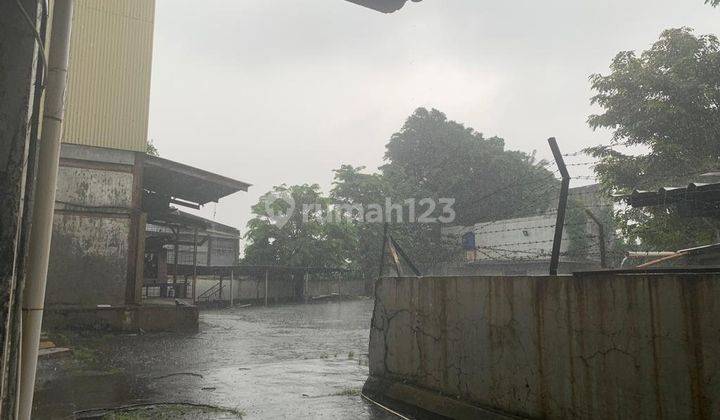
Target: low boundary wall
599	346
147	318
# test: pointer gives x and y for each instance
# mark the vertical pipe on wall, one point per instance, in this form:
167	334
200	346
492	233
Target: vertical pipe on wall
22	85
44	205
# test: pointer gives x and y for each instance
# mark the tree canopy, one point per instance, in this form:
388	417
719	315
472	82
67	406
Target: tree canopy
305	239
434	157
429	157
151	149
666	101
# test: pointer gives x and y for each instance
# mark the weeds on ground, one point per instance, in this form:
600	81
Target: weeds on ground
348	392
173	411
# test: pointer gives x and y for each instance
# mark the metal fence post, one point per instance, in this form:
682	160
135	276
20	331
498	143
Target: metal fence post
601	237
562	206
267	273
232	280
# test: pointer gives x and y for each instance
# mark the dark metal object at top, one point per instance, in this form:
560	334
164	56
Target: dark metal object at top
186	185
385	6
396	252
695	200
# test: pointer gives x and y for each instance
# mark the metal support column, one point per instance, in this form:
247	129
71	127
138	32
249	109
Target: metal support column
176	252
601	238
220	289
382	250
194	277
232	280
267	273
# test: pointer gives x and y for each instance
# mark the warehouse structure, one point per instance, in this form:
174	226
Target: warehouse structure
108	188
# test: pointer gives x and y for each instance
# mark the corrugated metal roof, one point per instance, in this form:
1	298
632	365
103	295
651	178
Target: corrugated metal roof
695	199
177	180
109	74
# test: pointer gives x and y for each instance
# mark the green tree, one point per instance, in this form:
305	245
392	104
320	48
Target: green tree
434	157
667	101
354	188
305	239
151	149
713	3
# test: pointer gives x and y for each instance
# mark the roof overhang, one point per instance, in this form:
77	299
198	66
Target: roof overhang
185	185
695	200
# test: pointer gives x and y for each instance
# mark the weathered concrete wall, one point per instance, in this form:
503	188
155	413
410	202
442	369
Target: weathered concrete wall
600	346
280	289
94	188
88	260
148	318
247	289
94	244
344	287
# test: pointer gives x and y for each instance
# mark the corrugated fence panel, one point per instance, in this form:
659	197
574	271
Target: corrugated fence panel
109	79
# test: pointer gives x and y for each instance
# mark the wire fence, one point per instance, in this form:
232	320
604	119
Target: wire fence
521	242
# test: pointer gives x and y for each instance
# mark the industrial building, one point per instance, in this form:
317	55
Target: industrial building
523	246
113	199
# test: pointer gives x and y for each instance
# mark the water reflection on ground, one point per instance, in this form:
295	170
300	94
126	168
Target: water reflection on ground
306	361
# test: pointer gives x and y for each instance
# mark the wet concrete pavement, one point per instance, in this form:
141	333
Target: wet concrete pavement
294	361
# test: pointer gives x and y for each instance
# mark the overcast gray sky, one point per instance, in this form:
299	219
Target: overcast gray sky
285	91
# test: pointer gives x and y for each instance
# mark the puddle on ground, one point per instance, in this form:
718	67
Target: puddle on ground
306	361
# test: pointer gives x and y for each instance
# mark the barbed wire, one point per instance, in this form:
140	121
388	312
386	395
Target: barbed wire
482	232
538	242
610	146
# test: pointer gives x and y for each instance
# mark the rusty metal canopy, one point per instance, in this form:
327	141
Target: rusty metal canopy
385	6
694	200
172	179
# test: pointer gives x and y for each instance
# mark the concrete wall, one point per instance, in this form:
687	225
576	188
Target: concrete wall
94	249
147	318
600	346
344	287
88	260
246	289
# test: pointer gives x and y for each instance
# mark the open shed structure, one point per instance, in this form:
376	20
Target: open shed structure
266	284
114	205
693	200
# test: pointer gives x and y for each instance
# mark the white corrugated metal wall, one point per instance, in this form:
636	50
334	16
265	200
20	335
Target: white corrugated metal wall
109	79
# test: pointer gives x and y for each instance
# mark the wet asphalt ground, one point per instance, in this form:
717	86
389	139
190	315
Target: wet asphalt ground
292	361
